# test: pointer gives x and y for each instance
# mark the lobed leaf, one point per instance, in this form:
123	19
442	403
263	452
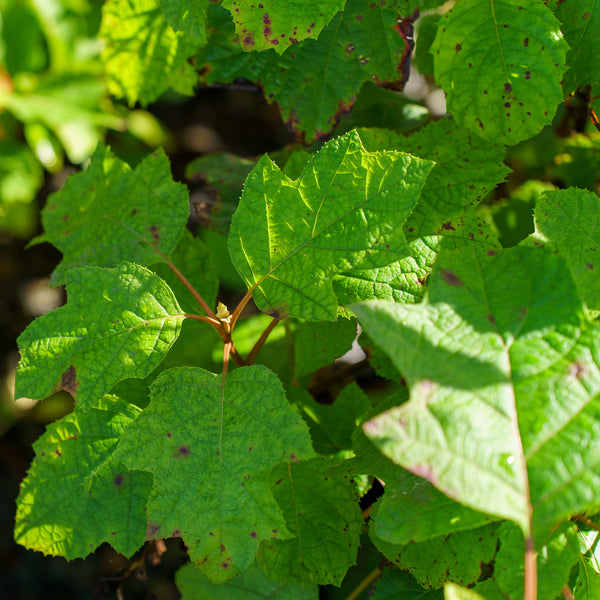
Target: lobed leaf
503	382
326	532
315	82
290	238
117	323
211	489
76	494
279	24
110	213
501	65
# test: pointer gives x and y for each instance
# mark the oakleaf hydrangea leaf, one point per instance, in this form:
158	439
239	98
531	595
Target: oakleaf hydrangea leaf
117	323
187	16
570	221
210	448
252	584
326	533
459	556
289	238
510	91
316	82
110	213
503	373
76	495
143	56
279	24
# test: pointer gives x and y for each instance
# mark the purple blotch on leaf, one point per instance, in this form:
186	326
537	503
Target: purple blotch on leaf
450	278
118	480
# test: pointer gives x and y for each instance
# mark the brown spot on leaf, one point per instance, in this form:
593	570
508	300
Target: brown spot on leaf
450	278
253	534
69	381
508	87
526	42
527	74
458	47
118	480
448	226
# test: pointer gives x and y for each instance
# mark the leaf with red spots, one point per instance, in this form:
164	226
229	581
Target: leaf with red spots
503	373
326	532
510	91
316	82
289	238
76	484
279	24
210	449
569	220
111	213
118	323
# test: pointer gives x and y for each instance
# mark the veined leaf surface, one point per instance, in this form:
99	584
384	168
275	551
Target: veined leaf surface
210	448
289	238
117	323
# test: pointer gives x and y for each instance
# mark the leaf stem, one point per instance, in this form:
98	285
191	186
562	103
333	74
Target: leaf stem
239	308
587	522
530	583
365	583
261	340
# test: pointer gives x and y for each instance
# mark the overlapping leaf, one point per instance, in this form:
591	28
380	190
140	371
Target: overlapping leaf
210	448
117	323
466	168
249	585
290	238
188	16
143	56
74	484
504	379
110	213
580	20
501	65
279	24
315	82
570	221
326	532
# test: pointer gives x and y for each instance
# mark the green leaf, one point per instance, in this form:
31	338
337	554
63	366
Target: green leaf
279	24
580	21
117	323
332	425
569	220
502	379
75	484
500	64
319	344
187	16
461	556
456	592
249	585
142	54
316	82
587	586
290	238
554	561
326	532
110	213
211	489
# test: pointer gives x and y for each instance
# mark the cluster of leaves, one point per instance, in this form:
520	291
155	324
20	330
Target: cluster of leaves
489	445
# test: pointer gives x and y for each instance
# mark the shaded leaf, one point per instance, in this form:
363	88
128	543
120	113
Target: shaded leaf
110	213
399	585
187	16
289	238
211	489
75	484
509	90
249	585
326	532
117	323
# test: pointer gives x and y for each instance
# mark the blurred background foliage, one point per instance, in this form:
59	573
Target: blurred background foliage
56	106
